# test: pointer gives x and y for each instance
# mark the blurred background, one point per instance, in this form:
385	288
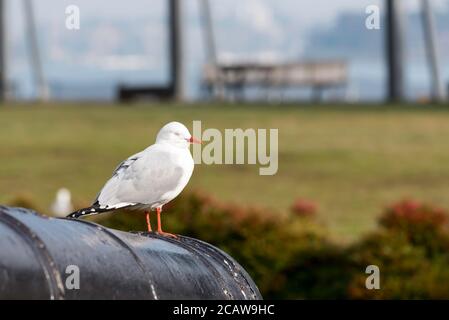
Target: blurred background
357	89
128	44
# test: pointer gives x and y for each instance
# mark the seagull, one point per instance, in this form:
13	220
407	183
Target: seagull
149	179
63	203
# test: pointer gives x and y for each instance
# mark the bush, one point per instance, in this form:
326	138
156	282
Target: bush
24	201
410	214
422	225
304	208
291	257
411	250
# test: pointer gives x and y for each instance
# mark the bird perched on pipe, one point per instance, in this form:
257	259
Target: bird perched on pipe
149	179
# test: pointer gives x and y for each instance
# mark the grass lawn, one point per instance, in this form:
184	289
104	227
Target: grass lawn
351	161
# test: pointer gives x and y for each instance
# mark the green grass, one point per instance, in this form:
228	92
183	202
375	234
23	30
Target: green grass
351	161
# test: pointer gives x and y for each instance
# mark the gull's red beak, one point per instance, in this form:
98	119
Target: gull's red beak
194	140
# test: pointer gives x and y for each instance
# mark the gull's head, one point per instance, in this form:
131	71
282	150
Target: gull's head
175	134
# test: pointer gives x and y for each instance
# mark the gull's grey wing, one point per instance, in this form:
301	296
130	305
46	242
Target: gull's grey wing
154	177
126	163
121	168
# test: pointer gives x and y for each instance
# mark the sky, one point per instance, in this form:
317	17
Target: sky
310	12
318	11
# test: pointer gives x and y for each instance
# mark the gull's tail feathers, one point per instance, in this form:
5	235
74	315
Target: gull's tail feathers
96	208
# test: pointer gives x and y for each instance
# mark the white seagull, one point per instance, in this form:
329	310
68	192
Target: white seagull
63	203
149	179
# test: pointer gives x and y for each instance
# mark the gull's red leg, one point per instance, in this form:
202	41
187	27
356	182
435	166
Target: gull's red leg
159	225
148	220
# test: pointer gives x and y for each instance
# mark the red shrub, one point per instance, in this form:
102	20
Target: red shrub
304	208
410	212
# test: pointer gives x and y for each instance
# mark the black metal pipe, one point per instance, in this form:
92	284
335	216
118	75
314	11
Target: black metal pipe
38	255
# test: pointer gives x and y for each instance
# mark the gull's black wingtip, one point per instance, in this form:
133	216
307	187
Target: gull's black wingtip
78	213
94	209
